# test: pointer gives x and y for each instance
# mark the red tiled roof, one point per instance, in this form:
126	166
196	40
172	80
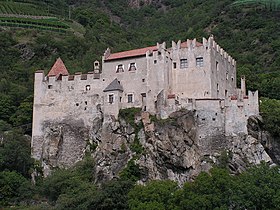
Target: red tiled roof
184	44
58	68
233	97
130	53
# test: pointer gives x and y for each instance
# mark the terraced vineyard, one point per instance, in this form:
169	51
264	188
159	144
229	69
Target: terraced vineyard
33	7
52	24
42	15
271	4
21	8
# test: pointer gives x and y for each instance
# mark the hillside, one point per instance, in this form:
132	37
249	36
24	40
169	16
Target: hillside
250	33
34	33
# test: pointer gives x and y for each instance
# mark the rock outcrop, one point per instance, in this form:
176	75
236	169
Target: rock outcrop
162	149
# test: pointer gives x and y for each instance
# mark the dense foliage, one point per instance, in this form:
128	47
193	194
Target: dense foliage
75	188
250	34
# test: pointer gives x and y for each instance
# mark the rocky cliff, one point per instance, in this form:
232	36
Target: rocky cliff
162	149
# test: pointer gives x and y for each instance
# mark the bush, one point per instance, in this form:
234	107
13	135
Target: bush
14	188
270	111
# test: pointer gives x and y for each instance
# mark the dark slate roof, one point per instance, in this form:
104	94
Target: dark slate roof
114	85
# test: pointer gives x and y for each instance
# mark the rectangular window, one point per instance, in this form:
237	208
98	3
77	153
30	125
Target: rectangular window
183	63
120	68
174	65
199	61
130	98
111	98
217	66
132	67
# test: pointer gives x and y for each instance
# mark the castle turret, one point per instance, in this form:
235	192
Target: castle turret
58	69
96	70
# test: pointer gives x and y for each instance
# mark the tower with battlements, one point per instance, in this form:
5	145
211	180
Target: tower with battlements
192	75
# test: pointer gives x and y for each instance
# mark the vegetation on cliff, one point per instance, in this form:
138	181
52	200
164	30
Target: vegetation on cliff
75	188
250	34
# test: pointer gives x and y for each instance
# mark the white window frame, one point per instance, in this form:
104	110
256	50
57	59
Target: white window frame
117	68
129	66
199	61
184	63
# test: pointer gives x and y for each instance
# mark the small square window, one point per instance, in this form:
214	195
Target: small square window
143	80
155	61
120	68
183	63
111	98
132	67
130	98
199	61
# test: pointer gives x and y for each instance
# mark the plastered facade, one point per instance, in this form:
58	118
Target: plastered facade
191	75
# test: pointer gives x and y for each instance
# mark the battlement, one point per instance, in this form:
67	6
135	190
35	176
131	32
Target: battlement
200	77
212	43
75	77
186	72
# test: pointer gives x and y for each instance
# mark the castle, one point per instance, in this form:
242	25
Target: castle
160	80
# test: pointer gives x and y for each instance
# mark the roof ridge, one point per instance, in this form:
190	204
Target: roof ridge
131	53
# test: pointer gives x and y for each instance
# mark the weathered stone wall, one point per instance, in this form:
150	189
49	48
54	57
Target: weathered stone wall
172	148
72	114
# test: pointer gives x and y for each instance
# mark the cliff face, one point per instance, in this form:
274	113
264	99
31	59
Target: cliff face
163	149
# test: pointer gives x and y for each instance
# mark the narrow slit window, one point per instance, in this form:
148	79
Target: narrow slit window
111	98
130	98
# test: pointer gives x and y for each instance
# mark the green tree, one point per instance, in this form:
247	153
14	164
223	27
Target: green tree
23	114
155	195
14	188
15	153
208	191
113	195
258	188
270	111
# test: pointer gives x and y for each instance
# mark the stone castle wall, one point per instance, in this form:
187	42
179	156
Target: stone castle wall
158	84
